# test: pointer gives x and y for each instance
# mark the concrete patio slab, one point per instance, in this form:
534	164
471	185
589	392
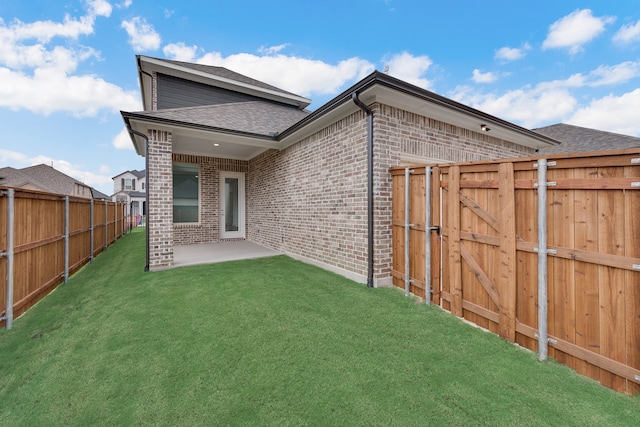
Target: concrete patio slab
210	253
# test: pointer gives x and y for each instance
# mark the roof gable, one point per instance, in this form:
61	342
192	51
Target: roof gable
213	76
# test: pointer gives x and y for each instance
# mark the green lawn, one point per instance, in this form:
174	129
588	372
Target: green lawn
271	342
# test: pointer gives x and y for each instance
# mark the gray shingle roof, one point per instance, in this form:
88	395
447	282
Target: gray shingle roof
138	174
225	73
43	177
257	117
576	139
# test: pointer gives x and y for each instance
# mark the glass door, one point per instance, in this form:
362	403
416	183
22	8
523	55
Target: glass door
232	205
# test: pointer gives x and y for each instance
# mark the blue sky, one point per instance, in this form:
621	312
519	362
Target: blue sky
68	67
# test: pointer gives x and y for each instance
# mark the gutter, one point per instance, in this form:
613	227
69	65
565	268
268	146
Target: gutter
140	73
146	190
369	113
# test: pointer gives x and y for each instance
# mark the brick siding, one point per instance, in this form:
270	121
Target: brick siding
310	199
208	229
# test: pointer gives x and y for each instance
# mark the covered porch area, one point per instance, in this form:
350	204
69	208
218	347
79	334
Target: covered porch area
211	253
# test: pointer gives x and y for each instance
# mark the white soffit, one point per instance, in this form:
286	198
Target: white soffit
203	142
449	114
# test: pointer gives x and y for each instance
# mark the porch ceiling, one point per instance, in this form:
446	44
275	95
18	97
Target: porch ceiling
205	141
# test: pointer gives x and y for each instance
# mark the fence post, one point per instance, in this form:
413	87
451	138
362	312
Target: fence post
508	256
8	317
106	225
543	340
91	233
455	257
407	229
427	235
66	239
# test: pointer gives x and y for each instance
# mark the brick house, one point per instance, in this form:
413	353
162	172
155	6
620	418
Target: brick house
229	157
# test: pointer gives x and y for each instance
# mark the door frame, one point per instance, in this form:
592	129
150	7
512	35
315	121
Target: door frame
240	233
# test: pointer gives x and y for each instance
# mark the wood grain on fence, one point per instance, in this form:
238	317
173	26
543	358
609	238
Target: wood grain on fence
39	241
488	260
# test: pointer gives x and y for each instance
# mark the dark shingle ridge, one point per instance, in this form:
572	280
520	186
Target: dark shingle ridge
578	139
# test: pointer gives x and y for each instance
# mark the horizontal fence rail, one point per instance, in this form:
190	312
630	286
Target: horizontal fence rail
552	265
44	238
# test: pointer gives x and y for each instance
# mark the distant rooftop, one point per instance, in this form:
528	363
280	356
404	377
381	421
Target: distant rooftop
577	139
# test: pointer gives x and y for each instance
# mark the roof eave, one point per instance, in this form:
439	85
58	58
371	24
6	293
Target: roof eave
380	87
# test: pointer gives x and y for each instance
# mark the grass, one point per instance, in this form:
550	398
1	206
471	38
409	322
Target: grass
271	342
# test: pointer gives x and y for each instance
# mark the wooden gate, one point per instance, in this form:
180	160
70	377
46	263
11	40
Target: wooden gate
484	246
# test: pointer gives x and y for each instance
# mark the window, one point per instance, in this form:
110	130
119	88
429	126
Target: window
128	184
185	193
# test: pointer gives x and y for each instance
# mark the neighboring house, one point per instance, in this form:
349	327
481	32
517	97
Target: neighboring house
129	188
230	157
97	195
44	178
575	139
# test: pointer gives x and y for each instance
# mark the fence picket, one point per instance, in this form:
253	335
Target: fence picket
488	242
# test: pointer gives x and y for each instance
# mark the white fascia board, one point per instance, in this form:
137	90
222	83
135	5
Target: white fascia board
155	65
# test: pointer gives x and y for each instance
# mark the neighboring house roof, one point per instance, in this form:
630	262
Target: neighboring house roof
99	195
138	174
11	177
42	177
575	139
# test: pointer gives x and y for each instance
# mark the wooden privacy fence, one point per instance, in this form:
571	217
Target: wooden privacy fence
543	251
44	238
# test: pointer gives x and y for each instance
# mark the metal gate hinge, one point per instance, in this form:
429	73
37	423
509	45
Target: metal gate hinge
549	184
3	254
635	161
636	266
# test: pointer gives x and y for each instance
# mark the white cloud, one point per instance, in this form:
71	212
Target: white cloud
180	52
122	140
512	53
526	106
480	77
575	30
39	76
99	7
298	75
553	101
19	160
142	36
628	33
46	92
611	113
125	4
272	50
410	68
615	74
